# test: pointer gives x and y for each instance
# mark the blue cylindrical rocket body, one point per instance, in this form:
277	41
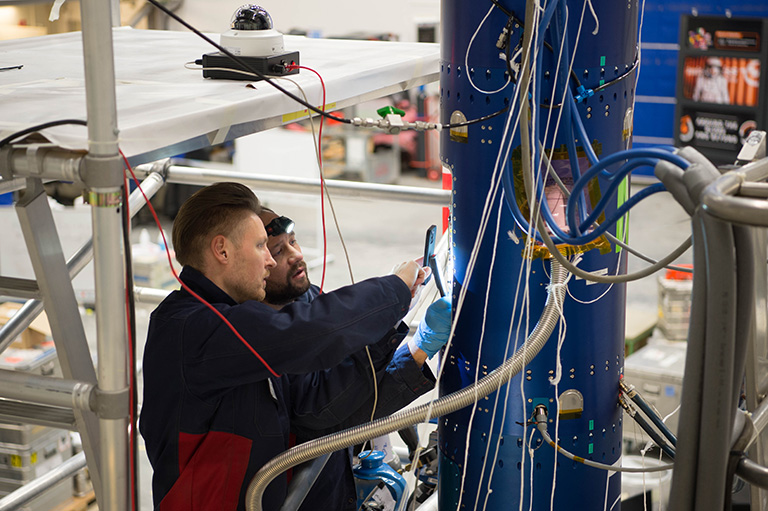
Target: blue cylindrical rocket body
490	458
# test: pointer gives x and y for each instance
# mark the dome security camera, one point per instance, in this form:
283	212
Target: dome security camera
251	37
252	34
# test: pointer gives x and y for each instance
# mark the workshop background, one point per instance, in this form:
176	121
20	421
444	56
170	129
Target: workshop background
376	234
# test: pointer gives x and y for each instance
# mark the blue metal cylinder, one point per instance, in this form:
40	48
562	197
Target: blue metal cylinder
373	474
489	457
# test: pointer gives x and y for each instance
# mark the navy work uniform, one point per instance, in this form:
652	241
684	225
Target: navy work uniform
212	413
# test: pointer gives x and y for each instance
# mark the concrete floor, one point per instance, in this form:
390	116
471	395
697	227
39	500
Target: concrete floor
379	234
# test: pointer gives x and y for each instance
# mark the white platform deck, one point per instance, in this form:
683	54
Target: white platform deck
165	109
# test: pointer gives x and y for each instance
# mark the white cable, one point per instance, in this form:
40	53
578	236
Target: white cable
594	300
542	158
530	453
594	15
639	50
661	479
490	197
526	293
542	427
466	59
664	420
615	502
559	110
556	384
484	218
505	147
534	211
479	355
341	237
525	272
492	461
642	464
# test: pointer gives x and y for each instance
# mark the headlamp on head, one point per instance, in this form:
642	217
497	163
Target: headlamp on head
280	225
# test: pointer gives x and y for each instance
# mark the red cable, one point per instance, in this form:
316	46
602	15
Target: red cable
131	380
183	285
320	159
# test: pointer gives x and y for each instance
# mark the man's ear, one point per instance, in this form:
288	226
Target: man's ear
220	249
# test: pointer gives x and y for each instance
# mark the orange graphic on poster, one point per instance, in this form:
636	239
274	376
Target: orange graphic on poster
722	80
686	128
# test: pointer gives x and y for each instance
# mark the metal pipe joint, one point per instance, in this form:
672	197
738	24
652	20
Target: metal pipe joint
102	172
110	404
44	161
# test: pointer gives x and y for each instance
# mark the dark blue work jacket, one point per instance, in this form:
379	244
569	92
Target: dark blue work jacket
399	384
212	414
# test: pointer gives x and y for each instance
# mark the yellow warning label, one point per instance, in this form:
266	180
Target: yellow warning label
15	460
33	458
293	116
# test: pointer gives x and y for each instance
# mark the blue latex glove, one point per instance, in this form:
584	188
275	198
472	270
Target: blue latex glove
434	330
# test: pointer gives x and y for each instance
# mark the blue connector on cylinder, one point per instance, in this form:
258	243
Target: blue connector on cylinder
377	481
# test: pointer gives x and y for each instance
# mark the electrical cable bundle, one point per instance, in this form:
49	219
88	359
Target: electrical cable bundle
663	438
581	227
539	419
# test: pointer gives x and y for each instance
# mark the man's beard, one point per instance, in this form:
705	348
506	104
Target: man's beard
286	292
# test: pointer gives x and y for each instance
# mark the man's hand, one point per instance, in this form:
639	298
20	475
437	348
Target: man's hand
411	273
434	330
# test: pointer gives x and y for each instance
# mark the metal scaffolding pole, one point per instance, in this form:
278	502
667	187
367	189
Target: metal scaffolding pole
103	177
50	268
262	183
34	488
32	308
43	390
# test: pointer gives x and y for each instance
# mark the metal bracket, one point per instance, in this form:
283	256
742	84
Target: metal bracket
102	172
110	405
40	160
30	193
35	155
6	168
161	167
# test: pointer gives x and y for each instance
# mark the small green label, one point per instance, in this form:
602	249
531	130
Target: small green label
623	223
591	448
602	82
592	425
602	60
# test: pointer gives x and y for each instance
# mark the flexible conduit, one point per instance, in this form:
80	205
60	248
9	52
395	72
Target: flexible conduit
445	405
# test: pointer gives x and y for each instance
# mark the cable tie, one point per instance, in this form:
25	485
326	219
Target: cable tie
583	94
554	287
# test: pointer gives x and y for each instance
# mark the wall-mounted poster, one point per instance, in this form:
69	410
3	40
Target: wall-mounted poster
714	130
722	80
720	85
